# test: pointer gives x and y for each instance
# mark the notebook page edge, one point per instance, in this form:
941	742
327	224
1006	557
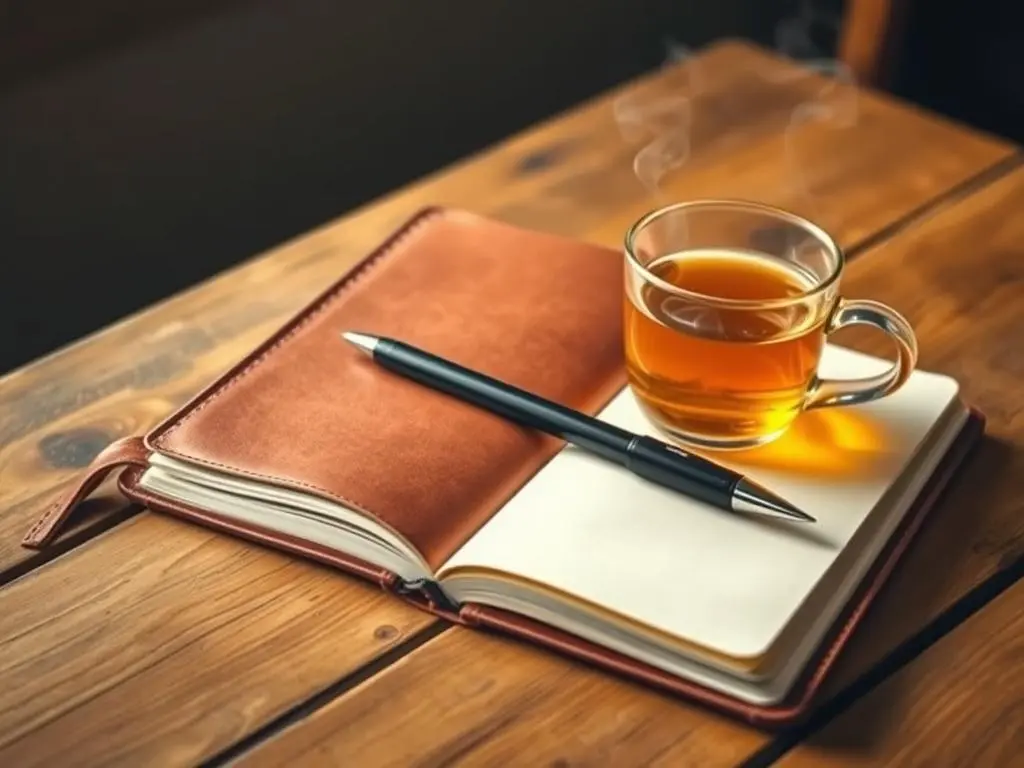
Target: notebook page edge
784	678
239	487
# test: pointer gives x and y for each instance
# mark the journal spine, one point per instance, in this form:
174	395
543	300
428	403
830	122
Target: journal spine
430	590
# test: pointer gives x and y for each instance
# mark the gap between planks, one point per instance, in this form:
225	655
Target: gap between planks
330	693
70	542
940	202
898	658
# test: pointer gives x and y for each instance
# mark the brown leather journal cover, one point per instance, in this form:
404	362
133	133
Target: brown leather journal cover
307	411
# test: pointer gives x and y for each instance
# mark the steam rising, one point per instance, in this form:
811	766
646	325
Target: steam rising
663	124
664	121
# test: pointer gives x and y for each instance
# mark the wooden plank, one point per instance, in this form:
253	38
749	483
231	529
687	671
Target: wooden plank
481	700
158	645
572	175
959	703
958	278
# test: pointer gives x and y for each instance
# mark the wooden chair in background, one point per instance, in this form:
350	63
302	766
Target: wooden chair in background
869	37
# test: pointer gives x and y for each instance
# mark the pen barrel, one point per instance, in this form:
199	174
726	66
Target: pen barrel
503	399
685	472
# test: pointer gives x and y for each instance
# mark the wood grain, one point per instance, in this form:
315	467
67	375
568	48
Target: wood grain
473	699
88	648
161	645
959	703
755	127
958	278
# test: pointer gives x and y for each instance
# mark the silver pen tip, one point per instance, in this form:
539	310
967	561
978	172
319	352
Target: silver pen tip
364	341
750	497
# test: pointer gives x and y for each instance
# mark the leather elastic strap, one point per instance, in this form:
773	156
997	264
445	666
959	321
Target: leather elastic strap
120	453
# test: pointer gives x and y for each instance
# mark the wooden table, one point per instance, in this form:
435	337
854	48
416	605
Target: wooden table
143	640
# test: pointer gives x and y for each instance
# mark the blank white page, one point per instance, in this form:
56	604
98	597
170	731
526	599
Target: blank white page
730	583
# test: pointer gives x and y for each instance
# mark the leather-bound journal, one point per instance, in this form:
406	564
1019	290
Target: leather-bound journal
308	446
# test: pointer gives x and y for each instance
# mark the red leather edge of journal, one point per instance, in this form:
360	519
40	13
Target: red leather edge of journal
501	622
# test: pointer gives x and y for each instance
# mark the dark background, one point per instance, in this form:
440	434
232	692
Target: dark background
146	146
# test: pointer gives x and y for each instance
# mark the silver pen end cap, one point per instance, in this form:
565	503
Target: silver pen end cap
751	498
363	341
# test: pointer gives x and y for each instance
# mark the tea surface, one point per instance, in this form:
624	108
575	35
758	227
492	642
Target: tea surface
724	374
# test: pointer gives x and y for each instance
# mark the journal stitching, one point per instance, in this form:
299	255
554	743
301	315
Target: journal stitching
388	248
337	292
50	513
360	272
54	510
64	502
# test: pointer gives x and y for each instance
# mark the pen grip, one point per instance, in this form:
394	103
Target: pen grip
681	471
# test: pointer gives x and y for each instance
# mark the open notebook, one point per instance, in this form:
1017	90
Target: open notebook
307	445
733	602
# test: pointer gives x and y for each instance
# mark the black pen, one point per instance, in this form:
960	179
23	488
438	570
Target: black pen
645	456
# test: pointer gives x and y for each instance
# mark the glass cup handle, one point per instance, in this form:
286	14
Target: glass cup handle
829	392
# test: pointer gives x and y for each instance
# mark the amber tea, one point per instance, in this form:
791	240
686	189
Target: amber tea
710	370
728	308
